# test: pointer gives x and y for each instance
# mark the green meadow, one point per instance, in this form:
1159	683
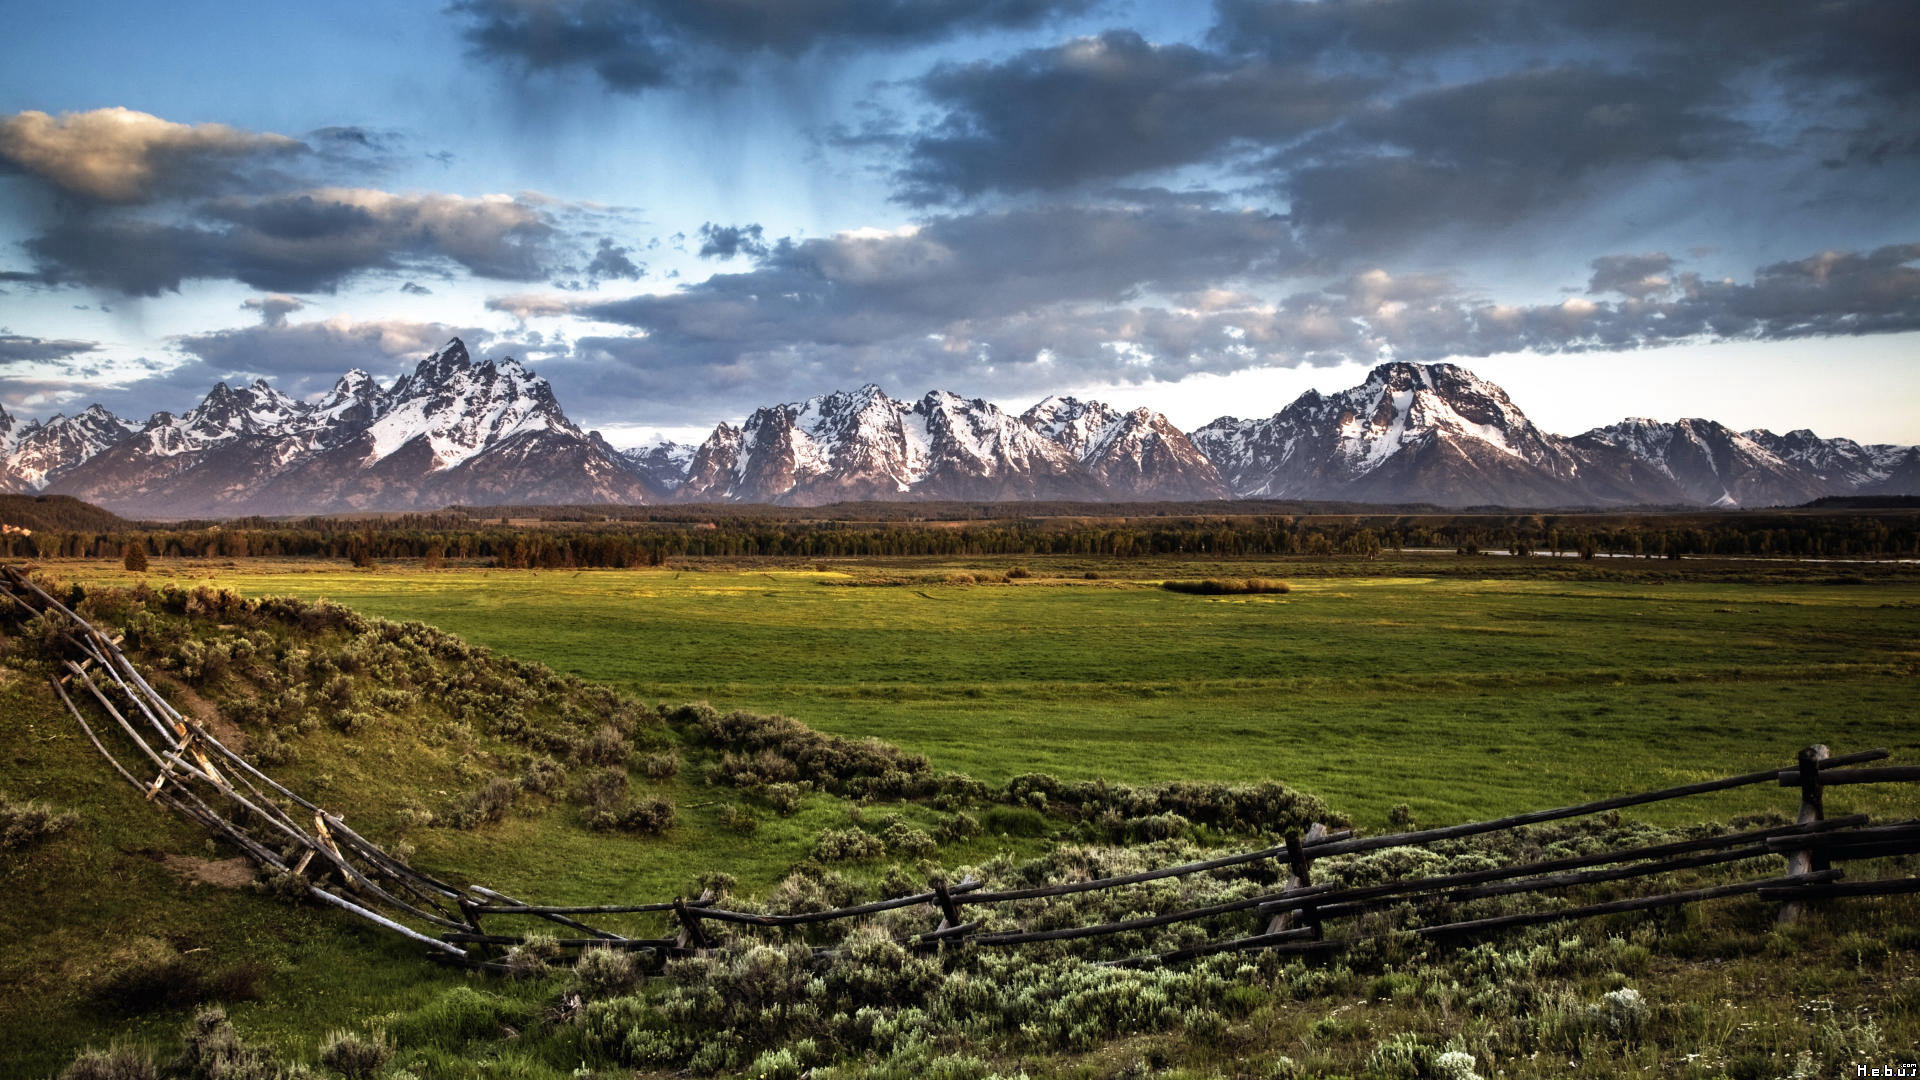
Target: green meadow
1460	696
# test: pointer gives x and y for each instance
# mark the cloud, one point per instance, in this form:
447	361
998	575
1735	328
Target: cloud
414	288
17	349
140	205
1637	276
612	262
948	301
273	309
1108	107
911	311
634	45
308	241
1499	149
524	306
1390	127
724	242
118	155
1293	30
303	358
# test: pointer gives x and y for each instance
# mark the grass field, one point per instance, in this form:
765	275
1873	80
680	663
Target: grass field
1463	694
1463	697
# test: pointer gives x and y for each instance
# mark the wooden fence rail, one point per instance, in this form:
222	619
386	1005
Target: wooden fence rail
205	782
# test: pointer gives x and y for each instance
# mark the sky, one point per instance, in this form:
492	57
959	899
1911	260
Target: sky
680	210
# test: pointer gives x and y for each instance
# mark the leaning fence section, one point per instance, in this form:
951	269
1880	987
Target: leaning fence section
174	760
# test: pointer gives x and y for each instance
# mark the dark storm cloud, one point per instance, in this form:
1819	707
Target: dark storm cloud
16	349
1387	29
1500	149
1382	121
1870	43
1108	107
724	242
304	242
633	45
414	288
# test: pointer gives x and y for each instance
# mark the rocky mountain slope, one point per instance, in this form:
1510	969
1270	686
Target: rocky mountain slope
1430	433
450	431
456	431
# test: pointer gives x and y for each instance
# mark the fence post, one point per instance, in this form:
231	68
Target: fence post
1812	808
690	935
1299	876
949	912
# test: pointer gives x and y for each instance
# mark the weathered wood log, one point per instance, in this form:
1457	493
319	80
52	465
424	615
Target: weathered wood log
604	935
1097	884
381	920
1013	937
949	912
750	918
1838	890
945	933
1614	907
469	938
1791	775
1812	808
1548	883
1572	862
1286	941
690	935
1534	817
1889	832
1891	774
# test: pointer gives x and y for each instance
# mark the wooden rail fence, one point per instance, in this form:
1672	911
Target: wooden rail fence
313	851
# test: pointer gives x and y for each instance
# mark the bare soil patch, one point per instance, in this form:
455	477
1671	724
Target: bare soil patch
234	873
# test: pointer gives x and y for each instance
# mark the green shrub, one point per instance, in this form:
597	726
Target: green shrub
211	1050
487	804
646	816
1227	586
355	1057
533	957
28	824
847	845
739	819
957	826
784	798
602	972
607	747
602	789
542	776
900	838
662	766
119	1063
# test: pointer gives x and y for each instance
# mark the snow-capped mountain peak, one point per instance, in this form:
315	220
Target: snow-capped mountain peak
460	409
42	452
1070	422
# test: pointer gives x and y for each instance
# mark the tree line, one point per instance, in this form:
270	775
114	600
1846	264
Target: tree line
452	538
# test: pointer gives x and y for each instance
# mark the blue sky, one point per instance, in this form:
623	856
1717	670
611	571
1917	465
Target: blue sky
678	211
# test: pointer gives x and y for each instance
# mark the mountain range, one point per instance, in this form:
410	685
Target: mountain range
454	431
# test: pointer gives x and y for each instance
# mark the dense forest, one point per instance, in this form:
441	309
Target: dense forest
623	537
